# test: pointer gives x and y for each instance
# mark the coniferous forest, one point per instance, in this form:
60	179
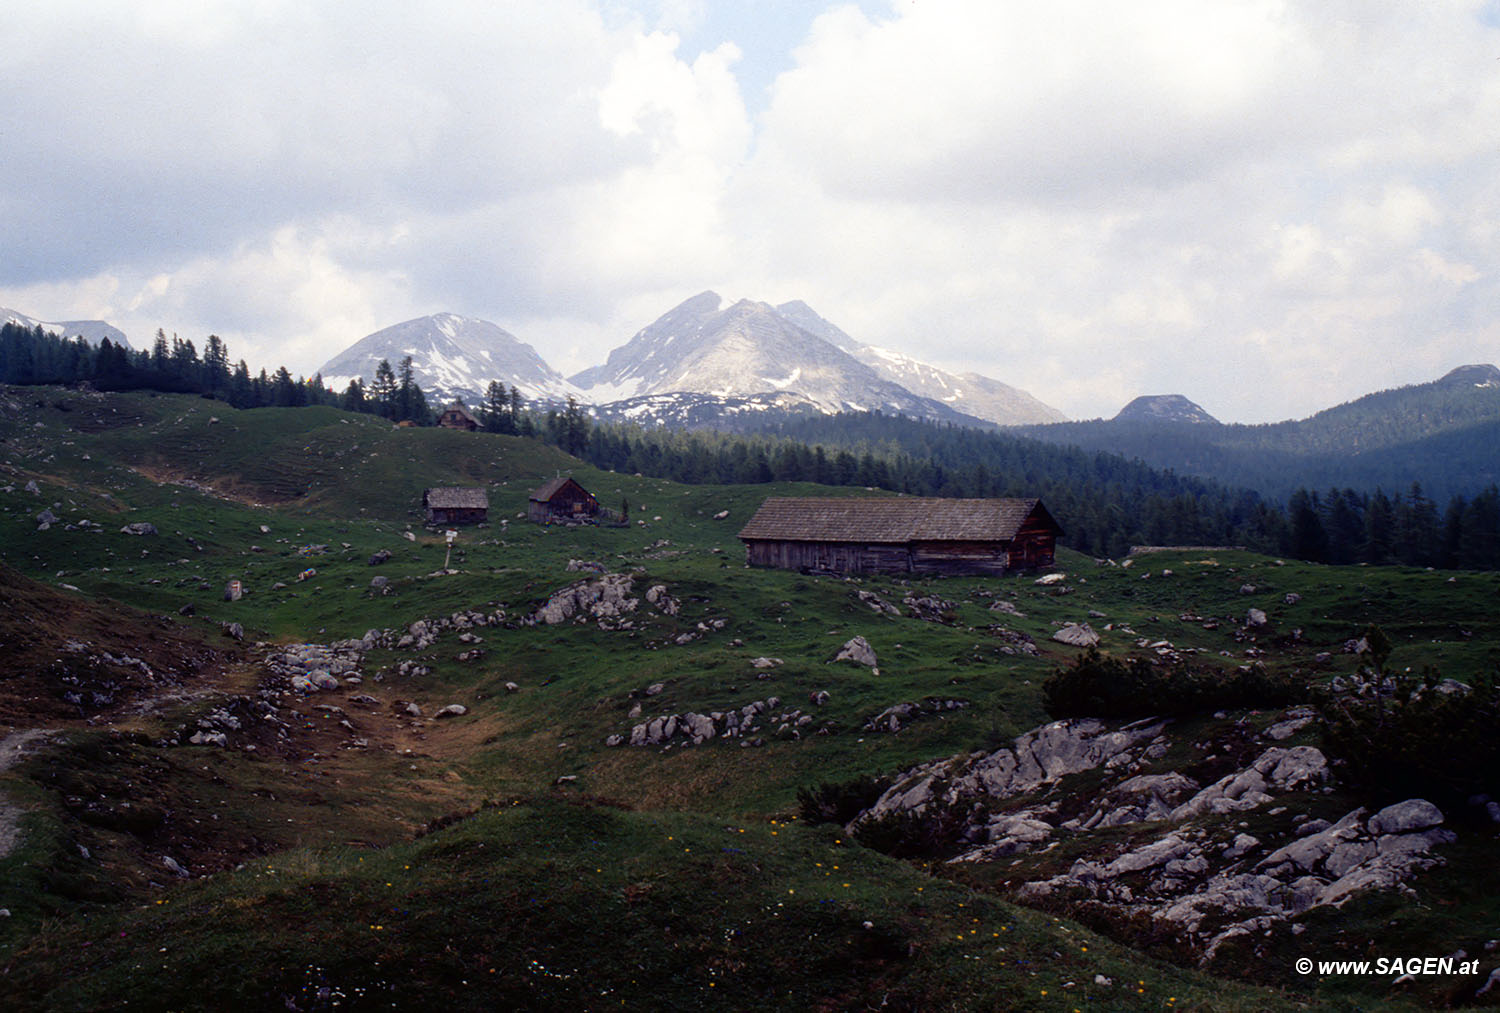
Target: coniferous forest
1105	502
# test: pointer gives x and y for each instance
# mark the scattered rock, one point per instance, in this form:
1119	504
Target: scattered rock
1077	635
1403	817
877	603
606	600
859	651
139	528
380	557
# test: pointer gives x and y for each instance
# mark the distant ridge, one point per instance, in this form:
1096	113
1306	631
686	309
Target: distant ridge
92	331
1164	408
1440	435
1480	375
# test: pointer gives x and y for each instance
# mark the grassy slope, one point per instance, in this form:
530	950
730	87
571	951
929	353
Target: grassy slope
331	479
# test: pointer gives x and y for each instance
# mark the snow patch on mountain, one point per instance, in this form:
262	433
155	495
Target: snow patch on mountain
452	357
970	393
92	331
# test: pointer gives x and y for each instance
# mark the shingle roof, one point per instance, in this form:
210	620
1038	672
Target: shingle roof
457	498
460	409
550	489
890	519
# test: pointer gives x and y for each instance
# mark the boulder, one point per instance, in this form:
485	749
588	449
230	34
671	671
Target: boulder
859	651
1256	617
1404	817
139	528
1077	635
453	710
380	557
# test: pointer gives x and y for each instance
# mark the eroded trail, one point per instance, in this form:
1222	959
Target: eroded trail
12	748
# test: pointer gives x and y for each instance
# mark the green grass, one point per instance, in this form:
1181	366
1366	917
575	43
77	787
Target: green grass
546	904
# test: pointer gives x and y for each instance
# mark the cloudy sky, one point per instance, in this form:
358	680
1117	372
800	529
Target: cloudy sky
1269	206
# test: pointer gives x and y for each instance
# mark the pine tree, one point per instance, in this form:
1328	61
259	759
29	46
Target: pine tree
353	399
383	390
497	409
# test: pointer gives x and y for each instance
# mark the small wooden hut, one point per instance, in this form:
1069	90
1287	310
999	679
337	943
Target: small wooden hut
456	416
901	535
562	499
456	505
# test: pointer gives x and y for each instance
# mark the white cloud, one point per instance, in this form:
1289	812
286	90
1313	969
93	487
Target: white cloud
1266	205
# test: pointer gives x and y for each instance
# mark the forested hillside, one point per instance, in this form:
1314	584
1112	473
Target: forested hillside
1107	502
1440	434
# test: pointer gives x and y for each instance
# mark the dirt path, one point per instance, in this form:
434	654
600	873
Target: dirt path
12	748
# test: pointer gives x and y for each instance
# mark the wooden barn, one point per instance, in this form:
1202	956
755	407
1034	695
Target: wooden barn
562	499
456	416
456	505
901	535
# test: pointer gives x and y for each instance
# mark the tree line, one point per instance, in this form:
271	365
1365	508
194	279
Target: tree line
1105	502
37	356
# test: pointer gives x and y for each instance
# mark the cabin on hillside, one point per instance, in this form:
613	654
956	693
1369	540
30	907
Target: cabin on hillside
561	500
456	416
456	505
891	534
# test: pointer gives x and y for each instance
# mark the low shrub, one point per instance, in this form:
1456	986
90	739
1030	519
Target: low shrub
1102	686
839	802
1410	740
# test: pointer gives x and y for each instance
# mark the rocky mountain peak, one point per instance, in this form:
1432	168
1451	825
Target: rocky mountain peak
1477	375
452	356
1164	408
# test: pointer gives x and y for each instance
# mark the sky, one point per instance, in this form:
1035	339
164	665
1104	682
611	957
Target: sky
1269	206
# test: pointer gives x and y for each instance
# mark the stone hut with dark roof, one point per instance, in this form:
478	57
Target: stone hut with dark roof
456	505
901	535
561	500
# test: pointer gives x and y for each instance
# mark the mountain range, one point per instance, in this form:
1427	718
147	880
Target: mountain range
701	364
751	366
92	331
